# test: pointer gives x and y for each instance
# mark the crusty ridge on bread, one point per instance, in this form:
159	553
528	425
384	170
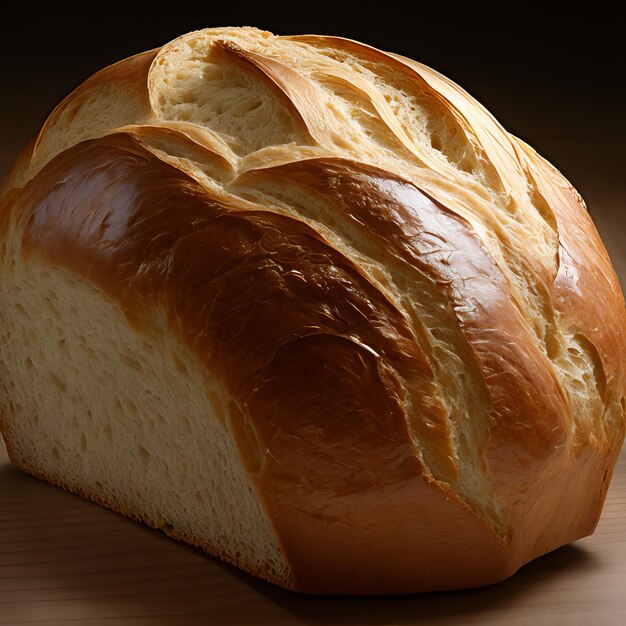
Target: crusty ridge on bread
306	305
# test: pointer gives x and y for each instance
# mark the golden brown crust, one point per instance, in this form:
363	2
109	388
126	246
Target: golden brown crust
335	398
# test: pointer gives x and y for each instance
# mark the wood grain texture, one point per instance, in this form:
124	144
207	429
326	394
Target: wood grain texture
66	561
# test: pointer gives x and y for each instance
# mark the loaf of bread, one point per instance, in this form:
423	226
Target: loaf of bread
306	305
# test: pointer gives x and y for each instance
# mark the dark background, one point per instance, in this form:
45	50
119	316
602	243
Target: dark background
556	80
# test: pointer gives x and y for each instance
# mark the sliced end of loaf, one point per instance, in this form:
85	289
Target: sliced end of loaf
126	418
